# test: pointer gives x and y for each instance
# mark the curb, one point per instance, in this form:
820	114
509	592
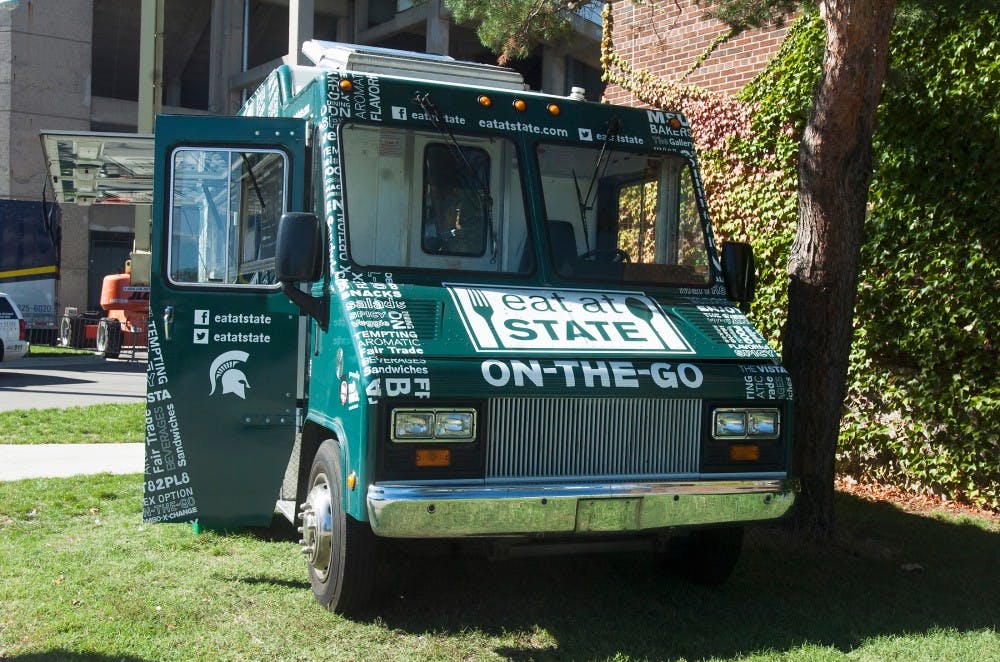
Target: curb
49	362
45	362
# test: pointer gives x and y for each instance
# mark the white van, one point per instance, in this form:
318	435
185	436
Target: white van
13	330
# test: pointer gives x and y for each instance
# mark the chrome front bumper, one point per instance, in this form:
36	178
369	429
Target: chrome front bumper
408	511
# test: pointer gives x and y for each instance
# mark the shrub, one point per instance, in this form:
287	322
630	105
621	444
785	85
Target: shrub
923	406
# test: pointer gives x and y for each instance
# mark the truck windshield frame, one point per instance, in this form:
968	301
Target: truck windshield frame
642	224
410	206
224	208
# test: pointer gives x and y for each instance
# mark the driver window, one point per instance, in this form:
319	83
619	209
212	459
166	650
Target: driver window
225	205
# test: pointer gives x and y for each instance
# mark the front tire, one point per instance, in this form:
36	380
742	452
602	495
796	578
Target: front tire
341	551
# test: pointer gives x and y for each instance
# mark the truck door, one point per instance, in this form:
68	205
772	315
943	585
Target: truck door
224	369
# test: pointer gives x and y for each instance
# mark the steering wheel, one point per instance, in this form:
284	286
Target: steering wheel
606	255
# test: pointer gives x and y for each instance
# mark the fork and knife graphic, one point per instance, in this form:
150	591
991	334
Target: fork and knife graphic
482	307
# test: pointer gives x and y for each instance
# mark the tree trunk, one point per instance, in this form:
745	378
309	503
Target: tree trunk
835	170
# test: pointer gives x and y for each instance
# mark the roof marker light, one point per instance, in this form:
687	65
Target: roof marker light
345	85
485	101
520	106
553	109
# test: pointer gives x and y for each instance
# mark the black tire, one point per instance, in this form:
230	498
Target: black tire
66	327
707	557
109	338
73	332
341	551
115	340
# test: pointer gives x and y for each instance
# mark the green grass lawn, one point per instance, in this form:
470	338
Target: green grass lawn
90	424
51	350
83	578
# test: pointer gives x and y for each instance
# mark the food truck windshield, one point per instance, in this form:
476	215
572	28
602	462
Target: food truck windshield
622	216
418	200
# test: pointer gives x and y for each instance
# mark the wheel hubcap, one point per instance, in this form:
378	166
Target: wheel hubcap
317	528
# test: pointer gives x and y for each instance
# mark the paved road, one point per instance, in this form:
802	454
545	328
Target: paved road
65	381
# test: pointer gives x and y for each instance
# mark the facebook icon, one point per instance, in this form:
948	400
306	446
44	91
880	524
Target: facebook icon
201	317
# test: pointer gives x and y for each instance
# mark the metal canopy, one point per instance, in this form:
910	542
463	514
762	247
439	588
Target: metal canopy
99	168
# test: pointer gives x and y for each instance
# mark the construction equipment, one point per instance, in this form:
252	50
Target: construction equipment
122	324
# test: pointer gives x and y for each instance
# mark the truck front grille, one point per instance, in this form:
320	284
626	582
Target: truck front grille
531	438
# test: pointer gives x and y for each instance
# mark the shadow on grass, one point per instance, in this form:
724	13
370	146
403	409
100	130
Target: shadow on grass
887	573
298	585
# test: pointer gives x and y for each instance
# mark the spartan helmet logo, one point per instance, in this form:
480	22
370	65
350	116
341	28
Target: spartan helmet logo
225	370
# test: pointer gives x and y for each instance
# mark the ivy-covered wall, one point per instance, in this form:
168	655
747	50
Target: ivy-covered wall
923	406
923	410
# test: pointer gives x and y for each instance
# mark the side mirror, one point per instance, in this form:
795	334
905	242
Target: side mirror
739	272
298	252
298	257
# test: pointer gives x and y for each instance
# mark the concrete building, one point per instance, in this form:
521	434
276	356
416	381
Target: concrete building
74	65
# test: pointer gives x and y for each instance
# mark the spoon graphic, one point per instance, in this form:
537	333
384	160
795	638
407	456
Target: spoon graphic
641	309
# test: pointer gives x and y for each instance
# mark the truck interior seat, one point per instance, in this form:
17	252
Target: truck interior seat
563	240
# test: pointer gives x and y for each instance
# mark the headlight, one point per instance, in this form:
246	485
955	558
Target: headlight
732	423
412	424
453	425
763	423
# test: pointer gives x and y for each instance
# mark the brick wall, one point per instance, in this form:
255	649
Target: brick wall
668	37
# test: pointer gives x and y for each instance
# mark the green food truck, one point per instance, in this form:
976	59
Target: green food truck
402	297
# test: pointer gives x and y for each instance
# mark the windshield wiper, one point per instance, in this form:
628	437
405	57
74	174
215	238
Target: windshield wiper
600	167
253	181
472	178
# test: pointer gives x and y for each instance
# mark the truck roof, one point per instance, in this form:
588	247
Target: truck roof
338	56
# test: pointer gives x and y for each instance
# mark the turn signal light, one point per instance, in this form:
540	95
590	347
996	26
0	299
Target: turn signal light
744	453
432	457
